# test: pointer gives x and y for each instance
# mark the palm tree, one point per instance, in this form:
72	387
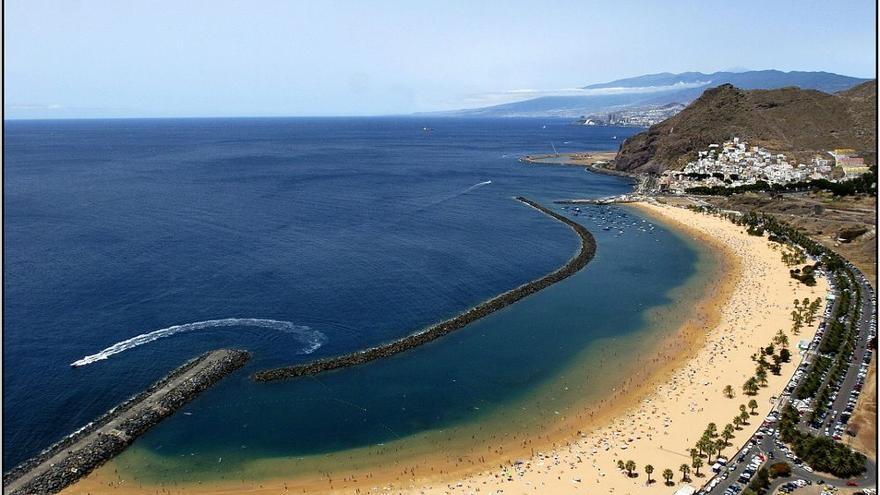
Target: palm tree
668	474
685	469
630	467
711	429
784	355
737	422
744	416
697	464
796	322
719	446
727	433
620	465
728	391
780	339
649	469
750	387
705	444
761	375
753	404
814	310
777	362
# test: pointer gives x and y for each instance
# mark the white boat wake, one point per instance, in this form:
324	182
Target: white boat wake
453	195
479	184
311	339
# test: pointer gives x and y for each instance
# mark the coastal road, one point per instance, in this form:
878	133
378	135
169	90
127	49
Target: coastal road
860	359
147	405
860	355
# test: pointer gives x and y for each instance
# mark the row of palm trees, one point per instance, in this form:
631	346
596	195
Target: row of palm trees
754	383
805	313
792	256
714	442
668	474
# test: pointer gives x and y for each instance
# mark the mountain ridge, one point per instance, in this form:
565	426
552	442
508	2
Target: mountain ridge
827	82
795	121
655	90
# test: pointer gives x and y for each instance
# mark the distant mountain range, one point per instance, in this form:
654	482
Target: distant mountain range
797	122
656	90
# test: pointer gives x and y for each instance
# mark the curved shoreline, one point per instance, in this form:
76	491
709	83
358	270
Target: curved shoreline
437	461
578	261
711	340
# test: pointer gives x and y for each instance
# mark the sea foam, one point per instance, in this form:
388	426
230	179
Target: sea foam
311	339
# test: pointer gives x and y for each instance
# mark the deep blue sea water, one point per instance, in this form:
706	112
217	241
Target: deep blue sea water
361	230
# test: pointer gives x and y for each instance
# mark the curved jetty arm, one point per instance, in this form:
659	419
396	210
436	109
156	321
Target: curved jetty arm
78	454
578	261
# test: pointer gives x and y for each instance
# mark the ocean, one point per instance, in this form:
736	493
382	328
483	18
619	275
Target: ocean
134	245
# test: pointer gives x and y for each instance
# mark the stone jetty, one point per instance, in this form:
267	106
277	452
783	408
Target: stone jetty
78	454
622	198
583	256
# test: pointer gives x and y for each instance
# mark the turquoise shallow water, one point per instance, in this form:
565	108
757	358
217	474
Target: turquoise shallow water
361	230
508	373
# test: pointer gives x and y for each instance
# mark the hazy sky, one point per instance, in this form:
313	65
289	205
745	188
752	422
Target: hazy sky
95	58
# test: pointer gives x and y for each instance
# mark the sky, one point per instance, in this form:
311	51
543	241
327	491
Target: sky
96	58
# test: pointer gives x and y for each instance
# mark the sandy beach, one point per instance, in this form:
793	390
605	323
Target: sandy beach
654	419
666	424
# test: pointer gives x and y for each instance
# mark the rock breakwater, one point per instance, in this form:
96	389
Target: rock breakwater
78	454
579	260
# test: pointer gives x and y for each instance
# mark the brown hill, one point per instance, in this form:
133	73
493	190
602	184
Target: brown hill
794	121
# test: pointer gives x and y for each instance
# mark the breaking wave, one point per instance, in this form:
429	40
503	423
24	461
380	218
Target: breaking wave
311	339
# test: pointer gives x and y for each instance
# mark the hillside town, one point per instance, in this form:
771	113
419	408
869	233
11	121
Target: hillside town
734	163
634	117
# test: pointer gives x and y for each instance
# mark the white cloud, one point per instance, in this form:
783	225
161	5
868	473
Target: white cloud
34	106
514	95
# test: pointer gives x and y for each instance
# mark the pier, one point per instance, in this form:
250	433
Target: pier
78	454
623	198
578	261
